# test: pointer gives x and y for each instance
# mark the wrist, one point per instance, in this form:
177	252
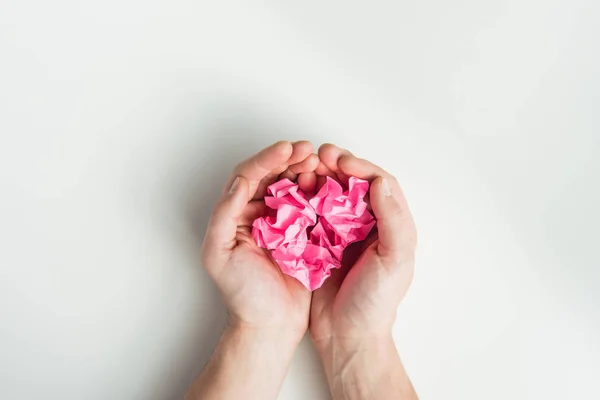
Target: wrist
283	340
351	360
349	342
249	362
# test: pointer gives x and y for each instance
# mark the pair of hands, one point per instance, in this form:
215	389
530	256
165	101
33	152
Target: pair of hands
358	303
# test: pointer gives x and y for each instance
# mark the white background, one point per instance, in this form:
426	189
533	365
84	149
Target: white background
120	120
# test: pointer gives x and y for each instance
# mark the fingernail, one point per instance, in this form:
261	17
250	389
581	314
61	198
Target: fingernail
385	187
234	185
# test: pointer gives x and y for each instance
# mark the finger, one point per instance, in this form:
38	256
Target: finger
360	168
272	177
287	174
253	210
243	236
300	151
262	164
221	230
322	170
307	182
397	233
371	238
309	164
265	161
330	155
364	169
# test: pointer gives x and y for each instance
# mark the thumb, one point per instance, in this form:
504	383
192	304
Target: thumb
222	227
397	233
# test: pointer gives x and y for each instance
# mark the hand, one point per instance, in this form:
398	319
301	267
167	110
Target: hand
268	310
353	312
256	292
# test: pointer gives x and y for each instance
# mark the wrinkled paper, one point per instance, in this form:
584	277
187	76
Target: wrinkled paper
307	237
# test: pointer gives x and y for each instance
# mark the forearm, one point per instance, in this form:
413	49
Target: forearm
247	364
370	370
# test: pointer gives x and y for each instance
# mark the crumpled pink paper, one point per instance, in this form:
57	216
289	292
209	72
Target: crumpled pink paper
335	218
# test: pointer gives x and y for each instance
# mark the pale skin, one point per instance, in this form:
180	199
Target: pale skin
349	318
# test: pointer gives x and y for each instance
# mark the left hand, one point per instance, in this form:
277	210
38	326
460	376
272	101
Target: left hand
258	295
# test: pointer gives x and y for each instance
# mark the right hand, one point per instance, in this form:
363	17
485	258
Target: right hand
358	303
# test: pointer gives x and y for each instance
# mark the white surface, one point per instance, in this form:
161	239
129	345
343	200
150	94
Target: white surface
119	121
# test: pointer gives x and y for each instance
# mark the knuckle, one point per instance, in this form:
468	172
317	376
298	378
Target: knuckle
401	260
239	166
327	146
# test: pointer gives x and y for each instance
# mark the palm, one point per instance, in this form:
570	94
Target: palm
361	297
256	280
356	297
255	290
368	295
